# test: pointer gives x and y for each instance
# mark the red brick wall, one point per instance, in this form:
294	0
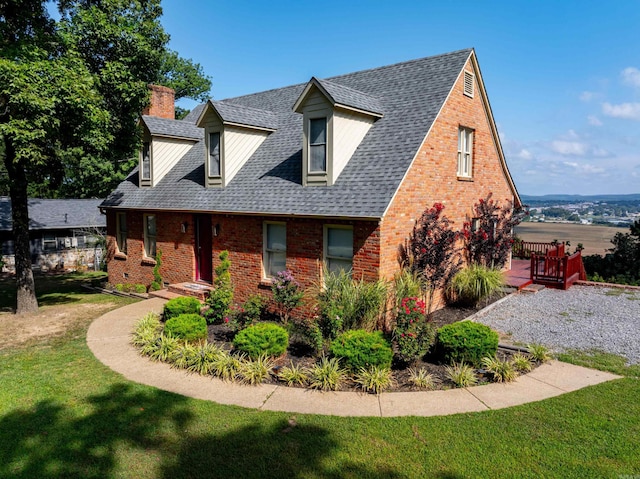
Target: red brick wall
242	237
432	177
162	103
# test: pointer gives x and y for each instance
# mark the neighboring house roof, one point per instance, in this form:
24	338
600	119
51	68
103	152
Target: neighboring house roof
55	214
409	95
172	128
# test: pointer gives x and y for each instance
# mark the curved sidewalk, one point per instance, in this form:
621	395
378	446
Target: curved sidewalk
108	338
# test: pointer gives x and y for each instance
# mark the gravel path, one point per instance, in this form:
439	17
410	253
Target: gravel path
583	317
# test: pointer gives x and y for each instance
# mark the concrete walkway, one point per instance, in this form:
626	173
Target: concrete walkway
108	338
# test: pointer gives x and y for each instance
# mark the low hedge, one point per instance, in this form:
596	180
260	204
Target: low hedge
358	348
262	338
466	341
181	305
188	327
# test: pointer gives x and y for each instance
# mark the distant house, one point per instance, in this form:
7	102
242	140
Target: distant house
330	173
63	234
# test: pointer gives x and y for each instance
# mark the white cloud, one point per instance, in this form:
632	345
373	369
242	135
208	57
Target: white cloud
524	154
584	168
594	120
631	76
586	96
568	147
627	111
600	152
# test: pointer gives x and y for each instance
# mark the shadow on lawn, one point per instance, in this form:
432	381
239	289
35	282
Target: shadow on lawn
51	440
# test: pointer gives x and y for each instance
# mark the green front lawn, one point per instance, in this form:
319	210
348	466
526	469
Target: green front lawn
64	414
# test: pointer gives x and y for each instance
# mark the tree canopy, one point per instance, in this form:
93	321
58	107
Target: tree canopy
71	92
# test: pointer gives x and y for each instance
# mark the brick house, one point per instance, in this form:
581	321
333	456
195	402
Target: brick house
332	172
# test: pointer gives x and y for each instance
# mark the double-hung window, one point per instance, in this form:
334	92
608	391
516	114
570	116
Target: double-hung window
338	253
146	161
214	154
318	145
121	232
275	249
465	152
150	236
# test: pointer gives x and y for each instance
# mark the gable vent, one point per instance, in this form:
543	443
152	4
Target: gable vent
468	84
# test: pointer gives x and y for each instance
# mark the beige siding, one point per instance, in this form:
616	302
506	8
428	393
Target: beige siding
166	153
239	145
348	131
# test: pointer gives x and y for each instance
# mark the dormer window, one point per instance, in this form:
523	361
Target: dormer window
146	161
318	145
214	154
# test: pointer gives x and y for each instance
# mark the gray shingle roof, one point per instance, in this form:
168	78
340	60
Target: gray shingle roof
270	182
346	96
243	115
173	128
55	214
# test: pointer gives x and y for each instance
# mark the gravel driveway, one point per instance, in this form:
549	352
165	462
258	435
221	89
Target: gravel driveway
583	317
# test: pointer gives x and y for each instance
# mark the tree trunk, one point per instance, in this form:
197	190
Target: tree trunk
26	301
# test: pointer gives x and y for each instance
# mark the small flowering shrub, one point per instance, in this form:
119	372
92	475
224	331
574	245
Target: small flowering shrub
249	313
413	334
263	338
187	327
467	342
286	294
182	305
358	348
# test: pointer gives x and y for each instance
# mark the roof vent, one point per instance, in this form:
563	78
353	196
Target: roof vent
468	84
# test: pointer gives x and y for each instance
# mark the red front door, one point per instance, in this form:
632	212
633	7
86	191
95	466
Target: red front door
204	265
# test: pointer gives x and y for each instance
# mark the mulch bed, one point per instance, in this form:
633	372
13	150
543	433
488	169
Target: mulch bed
300	355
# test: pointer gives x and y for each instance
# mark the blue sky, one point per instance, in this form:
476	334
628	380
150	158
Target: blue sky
563	77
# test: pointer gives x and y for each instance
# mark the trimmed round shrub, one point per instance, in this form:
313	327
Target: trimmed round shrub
466	341
263	338
188	327
182	305
358	348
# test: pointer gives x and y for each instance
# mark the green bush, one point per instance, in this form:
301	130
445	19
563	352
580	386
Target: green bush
361	349
466	341
263	338
140	288
182	305
157	283
189	327
221	296
249	313
474	283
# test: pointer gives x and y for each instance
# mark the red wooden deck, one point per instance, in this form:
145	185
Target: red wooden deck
520	274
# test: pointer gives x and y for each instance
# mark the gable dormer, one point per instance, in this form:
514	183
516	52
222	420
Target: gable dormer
335	120
232	133
164	142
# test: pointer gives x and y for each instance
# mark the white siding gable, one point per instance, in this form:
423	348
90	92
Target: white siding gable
239	145
349	129
166	153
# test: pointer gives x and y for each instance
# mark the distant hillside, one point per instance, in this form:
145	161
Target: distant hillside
578	198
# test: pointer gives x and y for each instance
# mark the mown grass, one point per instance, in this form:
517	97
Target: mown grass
604	361
64	414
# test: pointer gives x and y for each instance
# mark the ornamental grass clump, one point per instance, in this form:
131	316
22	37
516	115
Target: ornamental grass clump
474	283
186	327
226	366
204	359
421	378
500	370
413	334
358	349
293	375
146	330
263	338
461	374
374	379
327	374
521	362
539	352
163	348
255	371
466	341
182	305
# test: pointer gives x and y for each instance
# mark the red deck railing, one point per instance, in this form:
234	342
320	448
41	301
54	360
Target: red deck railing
524	249
557	271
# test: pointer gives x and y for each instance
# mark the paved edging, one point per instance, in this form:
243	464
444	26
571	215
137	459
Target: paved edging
108	338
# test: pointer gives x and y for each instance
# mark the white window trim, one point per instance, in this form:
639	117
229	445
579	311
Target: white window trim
146	171
464	166
266	250
146	235
219	133
325	244
48	239
468	84
122	248
326	146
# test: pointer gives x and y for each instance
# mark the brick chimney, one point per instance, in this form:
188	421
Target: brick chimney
162	102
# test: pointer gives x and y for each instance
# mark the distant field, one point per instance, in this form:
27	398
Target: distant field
595	238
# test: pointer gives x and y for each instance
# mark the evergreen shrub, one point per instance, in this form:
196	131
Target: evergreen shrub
262	338
182	305
188	327
466	341
358	348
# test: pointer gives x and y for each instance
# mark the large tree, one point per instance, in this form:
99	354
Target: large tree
71	92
